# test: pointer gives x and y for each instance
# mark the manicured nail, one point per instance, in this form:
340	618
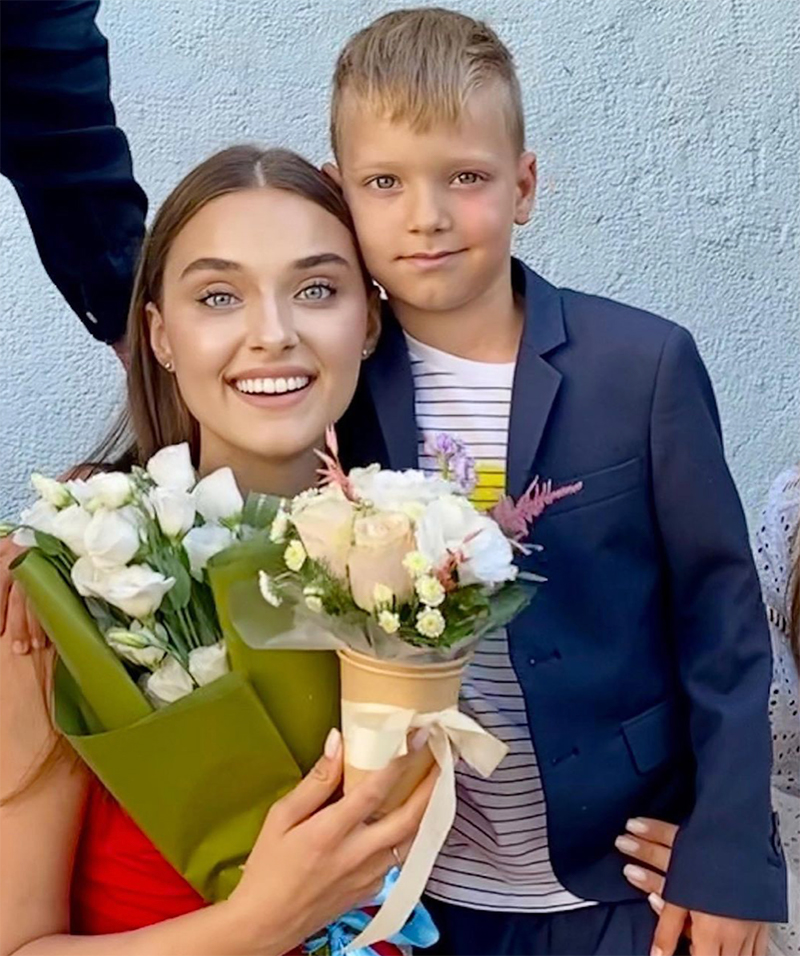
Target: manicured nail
419	740
18	647
38	643
636	826
656	951
634	873
626	844
656	902
333	744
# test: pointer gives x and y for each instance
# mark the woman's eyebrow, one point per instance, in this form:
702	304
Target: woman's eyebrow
323	258
211	263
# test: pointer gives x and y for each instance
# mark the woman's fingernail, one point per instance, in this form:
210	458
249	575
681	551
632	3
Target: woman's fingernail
626	844
636	826
18	647
419	739
333	744
656	951
634	873
38	643
656	902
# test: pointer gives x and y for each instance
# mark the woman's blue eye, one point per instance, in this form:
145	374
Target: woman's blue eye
316	292
218	300
384	182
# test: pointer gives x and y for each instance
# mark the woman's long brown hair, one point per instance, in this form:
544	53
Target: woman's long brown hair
155	414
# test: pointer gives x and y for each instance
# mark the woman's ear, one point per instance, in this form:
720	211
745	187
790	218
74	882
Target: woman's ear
159	342
373	321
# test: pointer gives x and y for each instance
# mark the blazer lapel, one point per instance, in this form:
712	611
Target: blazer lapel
391	386
536	382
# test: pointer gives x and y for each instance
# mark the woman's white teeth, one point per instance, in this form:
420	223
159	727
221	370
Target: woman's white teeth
271	386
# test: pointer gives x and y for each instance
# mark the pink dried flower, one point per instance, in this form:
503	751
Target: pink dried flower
516	518
332	472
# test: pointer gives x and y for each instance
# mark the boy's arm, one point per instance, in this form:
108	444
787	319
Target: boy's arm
726	860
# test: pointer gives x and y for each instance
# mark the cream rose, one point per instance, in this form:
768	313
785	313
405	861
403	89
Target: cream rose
325	526
381	543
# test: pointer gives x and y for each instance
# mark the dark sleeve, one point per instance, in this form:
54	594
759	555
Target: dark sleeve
67	159
726	859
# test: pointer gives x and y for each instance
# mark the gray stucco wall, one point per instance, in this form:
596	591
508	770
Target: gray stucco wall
668	135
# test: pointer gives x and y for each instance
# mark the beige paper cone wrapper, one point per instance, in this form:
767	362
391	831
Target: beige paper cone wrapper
423	688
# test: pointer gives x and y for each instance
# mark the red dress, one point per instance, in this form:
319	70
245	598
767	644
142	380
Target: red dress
121	882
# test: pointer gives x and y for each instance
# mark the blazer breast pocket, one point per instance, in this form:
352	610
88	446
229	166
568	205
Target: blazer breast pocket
653	736
600	485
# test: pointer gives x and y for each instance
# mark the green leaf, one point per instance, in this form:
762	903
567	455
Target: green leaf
51	546
260	510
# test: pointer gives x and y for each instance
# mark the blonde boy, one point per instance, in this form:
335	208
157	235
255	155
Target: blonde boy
636	684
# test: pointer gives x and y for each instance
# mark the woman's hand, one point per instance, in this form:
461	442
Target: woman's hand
18	623
312	862
650	842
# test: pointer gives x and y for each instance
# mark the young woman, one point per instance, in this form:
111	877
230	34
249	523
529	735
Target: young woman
251	314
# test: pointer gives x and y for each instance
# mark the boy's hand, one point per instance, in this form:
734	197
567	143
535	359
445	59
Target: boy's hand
711	935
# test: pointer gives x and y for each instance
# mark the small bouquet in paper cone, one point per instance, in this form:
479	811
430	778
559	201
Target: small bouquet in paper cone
401	575
191	731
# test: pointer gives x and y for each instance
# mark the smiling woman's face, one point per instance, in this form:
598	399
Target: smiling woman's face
264	316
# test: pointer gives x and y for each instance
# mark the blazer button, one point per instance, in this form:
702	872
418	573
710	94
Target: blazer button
532	661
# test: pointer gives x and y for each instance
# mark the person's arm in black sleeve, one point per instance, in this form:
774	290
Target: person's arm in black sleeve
67	160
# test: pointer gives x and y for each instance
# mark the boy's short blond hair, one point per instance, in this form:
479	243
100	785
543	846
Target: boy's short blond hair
419	65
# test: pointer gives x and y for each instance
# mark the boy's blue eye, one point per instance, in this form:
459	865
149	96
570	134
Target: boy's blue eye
383	182
316	292
218	300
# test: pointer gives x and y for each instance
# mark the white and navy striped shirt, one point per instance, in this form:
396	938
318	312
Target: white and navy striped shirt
496	856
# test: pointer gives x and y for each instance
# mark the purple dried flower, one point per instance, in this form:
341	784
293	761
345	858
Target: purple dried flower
453	460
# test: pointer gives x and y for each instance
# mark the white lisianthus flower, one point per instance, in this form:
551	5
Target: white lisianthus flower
416	563
111	540
137	590
137	646
201	544
172	468
294	555
174	510
267	589
452	525
87	578
79	490
70	525
108	490
388	621
392	490
52	491
429	590
280	526
206	664
430	623
314	603
382	595
168	683
217	496
39	517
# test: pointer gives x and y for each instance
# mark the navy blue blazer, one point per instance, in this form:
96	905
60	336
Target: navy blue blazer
67	159
645	658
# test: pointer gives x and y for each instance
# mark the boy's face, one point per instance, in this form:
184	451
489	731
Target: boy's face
434	210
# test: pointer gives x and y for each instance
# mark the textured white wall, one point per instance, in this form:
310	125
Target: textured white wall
668	135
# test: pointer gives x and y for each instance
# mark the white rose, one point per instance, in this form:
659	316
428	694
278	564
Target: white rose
70	525
53	492
174	510
136	590
109	490
208	663
395	490
139	646
380	544
201	544
172	467
111	539
451	525
87	578
168	683
217	496
39	517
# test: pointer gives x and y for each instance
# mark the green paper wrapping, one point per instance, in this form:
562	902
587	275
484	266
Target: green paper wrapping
199	775
300	689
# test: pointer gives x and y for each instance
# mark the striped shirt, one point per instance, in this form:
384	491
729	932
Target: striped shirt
496	856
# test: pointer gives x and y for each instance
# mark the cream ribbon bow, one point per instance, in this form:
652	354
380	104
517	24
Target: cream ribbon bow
374	734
